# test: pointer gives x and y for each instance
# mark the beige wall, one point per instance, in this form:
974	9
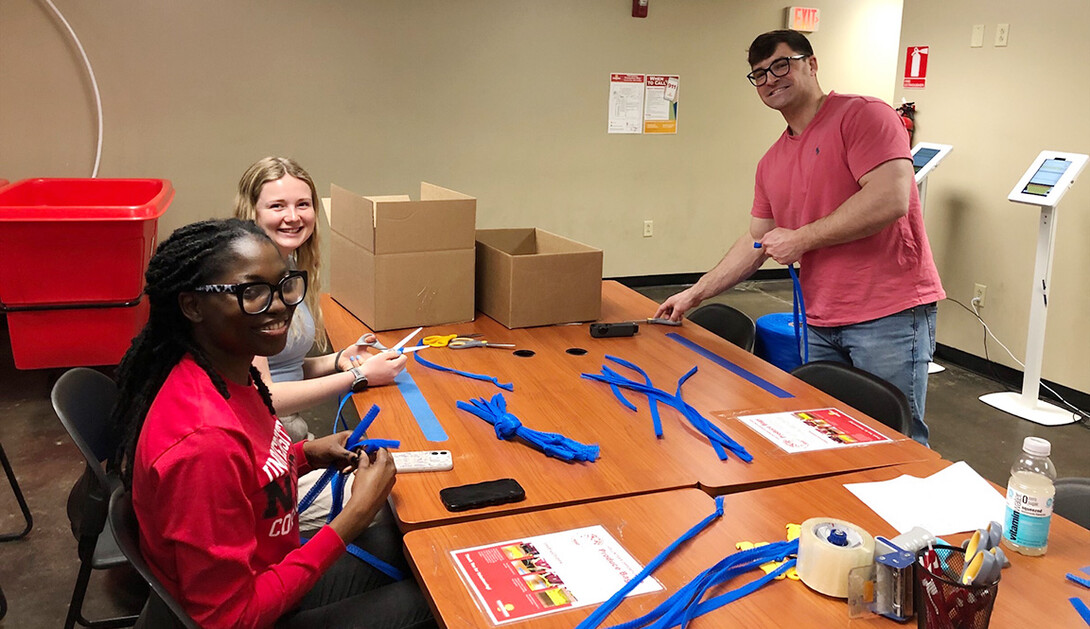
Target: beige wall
501	99
1000	107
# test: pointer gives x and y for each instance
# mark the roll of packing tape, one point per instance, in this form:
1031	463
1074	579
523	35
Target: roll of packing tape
828	549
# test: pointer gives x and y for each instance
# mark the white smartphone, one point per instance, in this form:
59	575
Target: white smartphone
423	461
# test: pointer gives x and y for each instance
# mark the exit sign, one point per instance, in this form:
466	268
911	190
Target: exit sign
803	19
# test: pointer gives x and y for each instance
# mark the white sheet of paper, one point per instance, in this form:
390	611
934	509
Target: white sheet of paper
955	500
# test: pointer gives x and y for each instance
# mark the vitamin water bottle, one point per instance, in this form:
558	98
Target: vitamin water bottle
1029	499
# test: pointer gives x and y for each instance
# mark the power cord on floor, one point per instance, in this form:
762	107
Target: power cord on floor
988	332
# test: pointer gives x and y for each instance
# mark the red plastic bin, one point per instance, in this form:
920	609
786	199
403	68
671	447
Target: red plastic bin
74	337
78	241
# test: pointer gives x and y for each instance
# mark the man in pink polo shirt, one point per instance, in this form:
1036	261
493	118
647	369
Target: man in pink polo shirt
836	193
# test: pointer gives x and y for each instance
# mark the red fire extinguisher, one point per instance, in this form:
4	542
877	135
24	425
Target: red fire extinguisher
908	118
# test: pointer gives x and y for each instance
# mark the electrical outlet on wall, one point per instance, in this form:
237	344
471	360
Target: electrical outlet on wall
979	292
648	229
1002	33
976	40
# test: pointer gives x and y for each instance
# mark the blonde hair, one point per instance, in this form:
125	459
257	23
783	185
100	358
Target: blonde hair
308	256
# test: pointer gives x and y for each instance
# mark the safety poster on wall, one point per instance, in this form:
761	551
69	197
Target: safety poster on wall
643	103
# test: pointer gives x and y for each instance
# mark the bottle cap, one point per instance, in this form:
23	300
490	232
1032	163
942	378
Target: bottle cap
1036	446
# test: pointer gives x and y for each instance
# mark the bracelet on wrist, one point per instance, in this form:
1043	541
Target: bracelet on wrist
337	362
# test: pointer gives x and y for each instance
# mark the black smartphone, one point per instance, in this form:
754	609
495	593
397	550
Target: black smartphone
486	494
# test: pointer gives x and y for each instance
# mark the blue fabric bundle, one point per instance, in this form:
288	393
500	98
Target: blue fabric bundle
685	604
507	427
719	440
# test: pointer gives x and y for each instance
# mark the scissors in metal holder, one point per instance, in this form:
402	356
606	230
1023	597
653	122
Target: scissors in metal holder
463	342
442	340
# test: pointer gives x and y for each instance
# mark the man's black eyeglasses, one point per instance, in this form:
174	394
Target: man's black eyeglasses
255	298
779	67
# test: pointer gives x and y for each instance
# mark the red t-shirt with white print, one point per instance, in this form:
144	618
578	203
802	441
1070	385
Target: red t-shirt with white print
214	490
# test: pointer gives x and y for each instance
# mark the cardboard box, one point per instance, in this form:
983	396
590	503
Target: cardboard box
528	277
398	263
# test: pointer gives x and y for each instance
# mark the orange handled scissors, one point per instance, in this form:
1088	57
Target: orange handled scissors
462	342
442	340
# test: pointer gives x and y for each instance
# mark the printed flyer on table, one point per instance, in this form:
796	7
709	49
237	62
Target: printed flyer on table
532	576
819	429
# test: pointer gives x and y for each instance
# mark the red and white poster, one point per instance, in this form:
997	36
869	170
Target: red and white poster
916	66
819	429
524	578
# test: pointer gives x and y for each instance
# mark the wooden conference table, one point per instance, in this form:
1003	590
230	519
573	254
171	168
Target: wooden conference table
1032	592
550	395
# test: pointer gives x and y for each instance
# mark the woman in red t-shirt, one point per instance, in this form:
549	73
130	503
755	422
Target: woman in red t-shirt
212	472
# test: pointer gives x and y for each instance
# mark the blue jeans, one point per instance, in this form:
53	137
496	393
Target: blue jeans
896	348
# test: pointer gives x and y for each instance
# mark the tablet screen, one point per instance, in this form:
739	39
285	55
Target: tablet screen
922	156
1046	177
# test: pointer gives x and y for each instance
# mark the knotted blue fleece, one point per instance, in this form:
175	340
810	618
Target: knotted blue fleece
719	440
507	427
356	441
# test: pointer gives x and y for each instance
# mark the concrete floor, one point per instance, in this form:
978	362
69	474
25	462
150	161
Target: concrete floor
37	573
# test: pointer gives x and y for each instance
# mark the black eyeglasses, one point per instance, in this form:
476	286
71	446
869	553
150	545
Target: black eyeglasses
779	67
255	298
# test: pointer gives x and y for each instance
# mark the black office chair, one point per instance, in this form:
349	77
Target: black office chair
729	323
862	390
1073	500
161	610
27	518
82	399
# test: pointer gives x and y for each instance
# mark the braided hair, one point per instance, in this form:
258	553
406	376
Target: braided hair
192	256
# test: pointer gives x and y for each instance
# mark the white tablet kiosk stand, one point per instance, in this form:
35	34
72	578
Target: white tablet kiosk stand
1043	184
925	157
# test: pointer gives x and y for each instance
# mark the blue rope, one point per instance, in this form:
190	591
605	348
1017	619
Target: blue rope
798	307
476	376
598	615
356	441
507	427
718	439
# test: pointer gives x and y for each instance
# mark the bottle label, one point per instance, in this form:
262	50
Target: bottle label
1027	519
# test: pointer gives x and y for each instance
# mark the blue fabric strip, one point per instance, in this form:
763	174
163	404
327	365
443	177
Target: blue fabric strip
375	562
466	374
731	367
370	559
418	406
1081	608
685	604
355	441
718	439
598	615
802	339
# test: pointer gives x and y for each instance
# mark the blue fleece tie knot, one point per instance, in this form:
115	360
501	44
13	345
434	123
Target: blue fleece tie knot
507	427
